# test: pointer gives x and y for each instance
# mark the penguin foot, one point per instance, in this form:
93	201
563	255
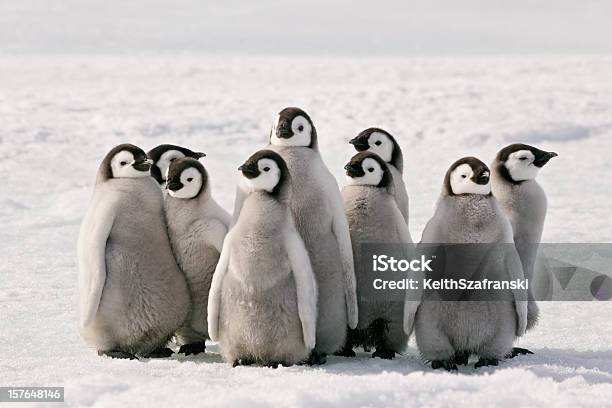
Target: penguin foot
448	365
483	362
384	354
243	362
461	358
316	358
162	352
271	365
367	349
192	348
117	354
345	352
517	351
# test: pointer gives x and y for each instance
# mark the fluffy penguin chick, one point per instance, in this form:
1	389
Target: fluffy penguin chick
197	226
262	306
132	294
374	217
382	143
316	205
524	202
447	332
165	154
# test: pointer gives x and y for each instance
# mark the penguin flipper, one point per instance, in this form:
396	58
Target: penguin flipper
94	233
305	284
216	286
241	195
515	271
340	229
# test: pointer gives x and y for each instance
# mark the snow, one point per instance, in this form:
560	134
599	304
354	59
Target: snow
60	114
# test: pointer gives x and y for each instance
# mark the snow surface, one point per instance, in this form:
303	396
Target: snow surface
59	115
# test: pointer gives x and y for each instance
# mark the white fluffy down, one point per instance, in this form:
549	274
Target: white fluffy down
381	145
461	181
373	174
520	165
301	128
268	177
192	182
121	165
165	159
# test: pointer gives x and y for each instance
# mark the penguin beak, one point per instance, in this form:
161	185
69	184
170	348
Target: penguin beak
174	185
249	170
284	131
360	145
198	155
354	170
482	179
542	158
142	164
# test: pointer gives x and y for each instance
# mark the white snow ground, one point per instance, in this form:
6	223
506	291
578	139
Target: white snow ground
59	115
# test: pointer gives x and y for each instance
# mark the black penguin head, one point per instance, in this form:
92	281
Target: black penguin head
520	162
368	169
467	176
382	143
125	161
165	154
265	171
187	178
293	127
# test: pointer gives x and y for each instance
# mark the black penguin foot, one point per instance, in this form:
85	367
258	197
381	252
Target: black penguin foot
483	362
192	348
243	362
384	354
448	365
367	349
271	365
345	352
517	351
162	352
316	358
461	357
117	354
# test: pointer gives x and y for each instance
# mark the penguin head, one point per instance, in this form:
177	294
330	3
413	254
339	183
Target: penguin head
468	176
368	169
293	127
165	154
125	161
520	162
380	142
187	178
265	171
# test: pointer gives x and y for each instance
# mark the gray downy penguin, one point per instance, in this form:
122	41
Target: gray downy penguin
132	295
197	226
316	205
448	332
262	306
382	143
524	203
165	154
374	217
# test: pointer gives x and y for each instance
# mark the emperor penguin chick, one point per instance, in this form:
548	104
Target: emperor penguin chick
262	306
316	206
132	295
197	226
448	331
163	155
524	202
384	144
374	217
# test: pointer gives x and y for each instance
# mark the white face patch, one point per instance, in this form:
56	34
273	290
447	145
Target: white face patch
191	179
461	182
372	177
268	177
121	165
520	165
381	145
302	132
165	159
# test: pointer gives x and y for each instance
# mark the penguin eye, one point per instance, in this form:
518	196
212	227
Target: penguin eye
463	176
123	163
371	169
301	128
522	158
266	168
378	143
190	179
172	159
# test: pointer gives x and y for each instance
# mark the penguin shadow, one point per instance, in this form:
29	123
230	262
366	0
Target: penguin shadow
211	355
